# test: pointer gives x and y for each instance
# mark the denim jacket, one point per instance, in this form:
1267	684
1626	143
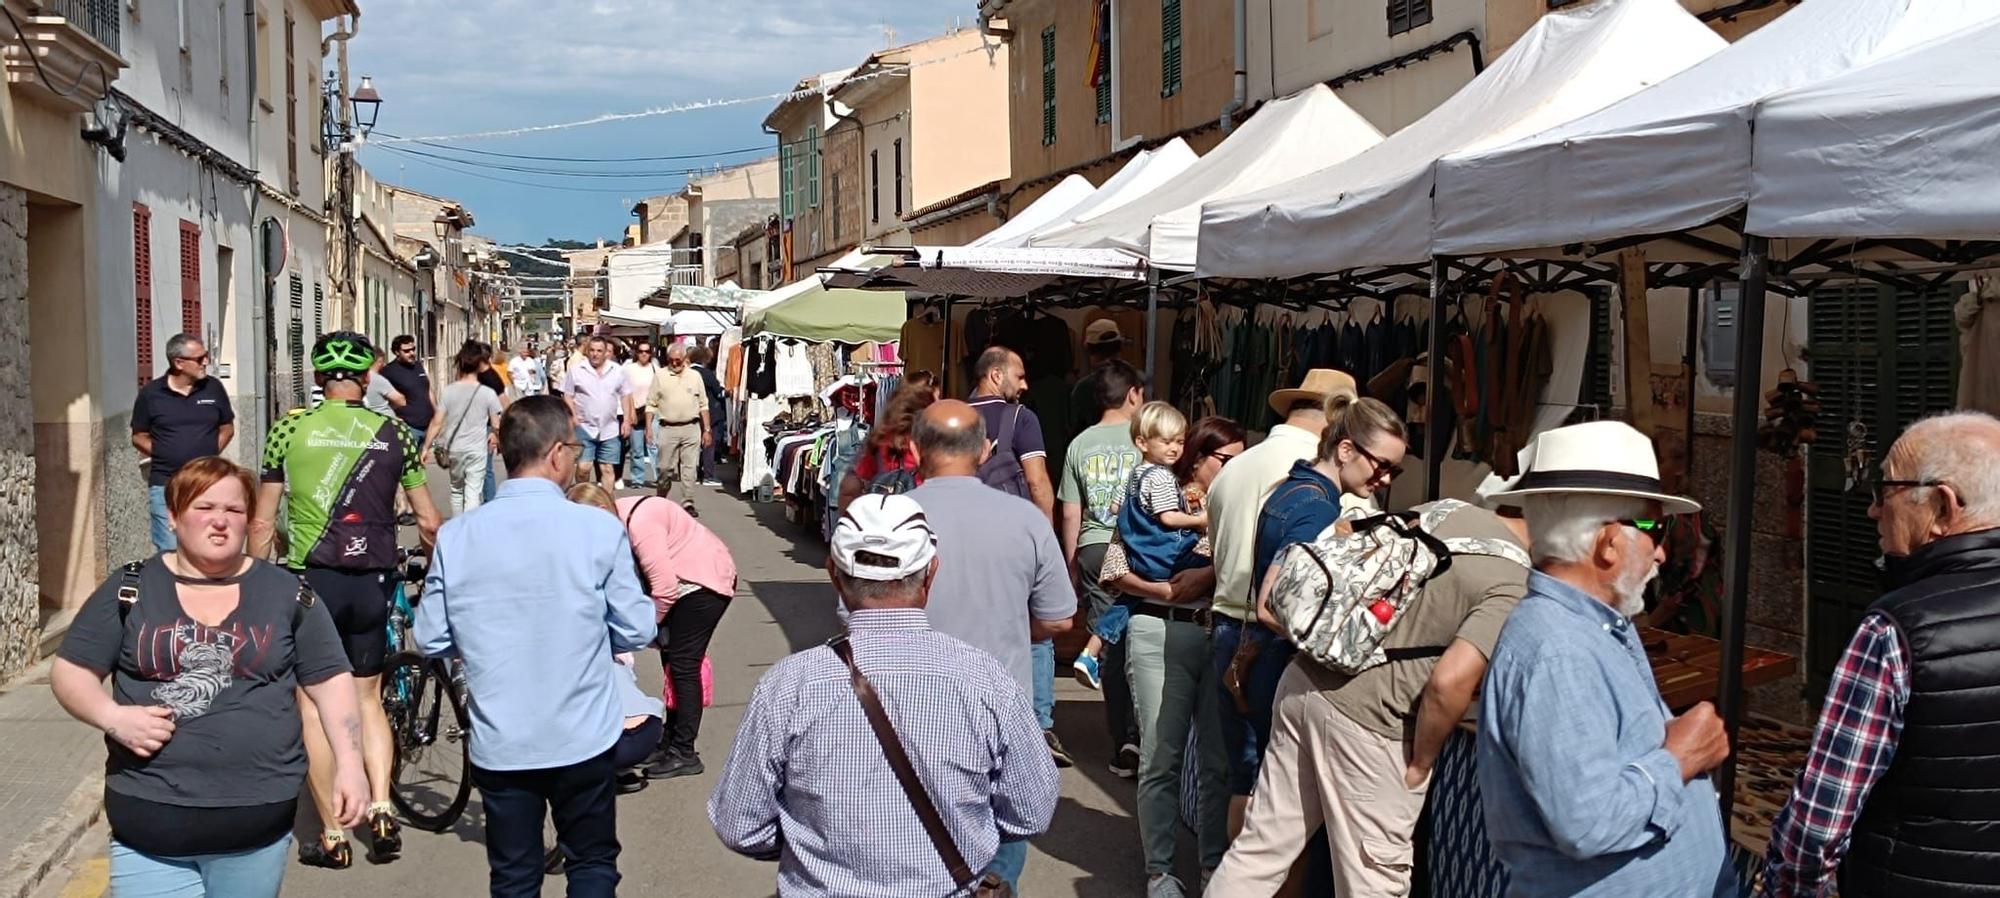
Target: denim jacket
1303	504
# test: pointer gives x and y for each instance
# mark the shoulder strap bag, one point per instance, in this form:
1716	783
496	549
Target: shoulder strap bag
443	452
980	886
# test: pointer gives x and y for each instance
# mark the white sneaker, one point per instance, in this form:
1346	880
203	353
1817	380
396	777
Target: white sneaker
1165	885
621	483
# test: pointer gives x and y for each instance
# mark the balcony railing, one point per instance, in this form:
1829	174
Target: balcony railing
97	18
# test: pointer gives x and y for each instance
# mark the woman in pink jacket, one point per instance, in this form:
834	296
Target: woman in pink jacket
691	577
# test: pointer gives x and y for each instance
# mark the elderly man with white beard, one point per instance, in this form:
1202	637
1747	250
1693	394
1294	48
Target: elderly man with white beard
1591	786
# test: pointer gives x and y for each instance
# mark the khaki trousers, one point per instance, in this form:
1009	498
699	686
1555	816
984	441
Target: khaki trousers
1322	767
680	453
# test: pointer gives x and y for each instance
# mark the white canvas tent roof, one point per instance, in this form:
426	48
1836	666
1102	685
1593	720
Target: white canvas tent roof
1286	138
1140	175
1905	147
1375	209
1677	155
1046	208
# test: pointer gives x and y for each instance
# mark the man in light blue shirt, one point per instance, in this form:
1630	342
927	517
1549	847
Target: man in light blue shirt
534	593
1591	786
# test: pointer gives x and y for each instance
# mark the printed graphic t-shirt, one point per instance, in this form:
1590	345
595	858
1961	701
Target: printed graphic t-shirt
1100	459
236	740
342	465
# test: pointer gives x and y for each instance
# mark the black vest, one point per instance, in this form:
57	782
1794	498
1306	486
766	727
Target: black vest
1932	823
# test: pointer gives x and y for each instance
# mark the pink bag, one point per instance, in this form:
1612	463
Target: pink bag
707	685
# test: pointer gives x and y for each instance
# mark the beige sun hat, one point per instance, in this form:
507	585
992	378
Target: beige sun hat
1318	385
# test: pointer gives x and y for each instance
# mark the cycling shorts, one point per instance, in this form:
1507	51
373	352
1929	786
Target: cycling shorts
359	603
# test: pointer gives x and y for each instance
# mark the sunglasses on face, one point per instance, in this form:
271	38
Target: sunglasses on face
1381	468
1222	458
197	359
1655	529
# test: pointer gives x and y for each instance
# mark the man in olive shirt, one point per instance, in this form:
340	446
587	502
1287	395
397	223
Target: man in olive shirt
1100	460
1357	751
678	401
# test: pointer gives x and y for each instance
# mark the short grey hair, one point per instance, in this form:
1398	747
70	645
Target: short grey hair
860	591
676	351
177	345
1961	449
1564	526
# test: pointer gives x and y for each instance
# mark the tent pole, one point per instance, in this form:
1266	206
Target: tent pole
1152	332
1742	501
944	352
1436	395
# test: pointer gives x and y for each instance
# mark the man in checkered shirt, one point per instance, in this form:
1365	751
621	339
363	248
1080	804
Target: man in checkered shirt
1898	792
807	783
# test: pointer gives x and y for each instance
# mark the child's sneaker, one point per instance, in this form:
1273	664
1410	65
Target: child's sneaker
1086	671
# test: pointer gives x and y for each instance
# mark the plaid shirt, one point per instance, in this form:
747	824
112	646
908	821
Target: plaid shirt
1851	749
807	784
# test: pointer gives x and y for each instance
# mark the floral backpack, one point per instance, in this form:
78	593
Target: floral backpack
1339	596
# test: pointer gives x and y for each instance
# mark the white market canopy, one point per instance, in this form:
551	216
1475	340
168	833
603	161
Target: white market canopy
1905	147
1140	175
1288	137
1678	155
996	272
1375	208
724	297
1046	208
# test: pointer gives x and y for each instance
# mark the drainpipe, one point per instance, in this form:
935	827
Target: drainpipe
1241	81
349	27
261	281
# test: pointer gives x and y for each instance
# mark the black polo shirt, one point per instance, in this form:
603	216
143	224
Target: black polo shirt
184	428
414	383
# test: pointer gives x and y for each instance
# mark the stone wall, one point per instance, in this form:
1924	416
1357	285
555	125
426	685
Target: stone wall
1776	616
128	534
20	598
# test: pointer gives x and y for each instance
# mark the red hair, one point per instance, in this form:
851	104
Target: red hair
195	478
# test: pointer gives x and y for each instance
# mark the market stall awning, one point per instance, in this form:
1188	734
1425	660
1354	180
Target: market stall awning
1677	155
726	297
1375	208
990	271
1287	138
1905	147
808	309
1046	208
1140	175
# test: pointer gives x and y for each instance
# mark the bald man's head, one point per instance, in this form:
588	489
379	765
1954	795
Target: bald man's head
950	439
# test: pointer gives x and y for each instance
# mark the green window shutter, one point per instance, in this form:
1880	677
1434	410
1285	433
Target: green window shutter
1170	47
812	166
1104	101
1882	359
785	185
1049	86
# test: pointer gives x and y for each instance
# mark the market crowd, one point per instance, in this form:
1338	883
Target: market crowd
1289	670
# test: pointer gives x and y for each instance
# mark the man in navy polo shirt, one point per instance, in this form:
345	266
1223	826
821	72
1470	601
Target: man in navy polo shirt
178	417
410	379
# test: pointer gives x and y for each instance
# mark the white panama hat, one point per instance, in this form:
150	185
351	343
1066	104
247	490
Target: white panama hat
1609	458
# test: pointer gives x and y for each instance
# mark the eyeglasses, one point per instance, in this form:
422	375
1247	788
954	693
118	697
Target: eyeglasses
1381	467
1222	458
197	359
1882	488
1656	530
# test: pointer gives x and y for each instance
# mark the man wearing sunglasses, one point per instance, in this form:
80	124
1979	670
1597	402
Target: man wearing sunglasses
1896	794
178	417
1590	784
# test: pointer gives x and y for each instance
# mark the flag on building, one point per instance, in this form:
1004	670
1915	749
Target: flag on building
1100	44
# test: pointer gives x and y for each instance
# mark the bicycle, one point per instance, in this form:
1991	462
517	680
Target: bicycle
431	778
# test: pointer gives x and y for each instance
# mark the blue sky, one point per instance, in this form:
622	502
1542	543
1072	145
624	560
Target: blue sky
453	68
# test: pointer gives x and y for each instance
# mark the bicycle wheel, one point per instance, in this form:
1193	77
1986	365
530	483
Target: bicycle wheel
431	780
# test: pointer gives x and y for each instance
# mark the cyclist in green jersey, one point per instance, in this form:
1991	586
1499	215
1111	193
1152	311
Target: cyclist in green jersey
339	466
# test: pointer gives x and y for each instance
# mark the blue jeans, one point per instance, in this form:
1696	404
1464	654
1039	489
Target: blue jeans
1246	732
1008	862
640	469
1044	655
1112	621
163	529
244	874
492	485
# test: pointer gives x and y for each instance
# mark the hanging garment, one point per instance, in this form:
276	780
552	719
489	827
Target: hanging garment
794	369
922	344
757	412
762	362
1978	317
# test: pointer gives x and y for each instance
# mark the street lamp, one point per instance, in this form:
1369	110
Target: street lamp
367	104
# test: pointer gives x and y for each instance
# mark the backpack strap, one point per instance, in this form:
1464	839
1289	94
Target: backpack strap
128	588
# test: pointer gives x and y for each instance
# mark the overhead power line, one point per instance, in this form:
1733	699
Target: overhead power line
676	108
762	148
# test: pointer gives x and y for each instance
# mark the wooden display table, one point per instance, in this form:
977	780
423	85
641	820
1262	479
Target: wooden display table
1689	668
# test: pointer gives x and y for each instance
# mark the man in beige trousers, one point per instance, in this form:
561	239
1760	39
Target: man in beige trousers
679	405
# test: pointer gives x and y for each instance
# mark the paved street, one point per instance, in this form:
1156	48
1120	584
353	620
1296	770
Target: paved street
783	604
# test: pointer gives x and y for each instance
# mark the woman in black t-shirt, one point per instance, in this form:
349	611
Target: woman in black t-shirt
205	648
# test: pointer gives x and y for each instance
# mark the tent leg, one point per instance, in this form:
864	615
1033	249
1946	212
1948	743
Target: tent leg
944	352
1152	332
1434	436
1742	500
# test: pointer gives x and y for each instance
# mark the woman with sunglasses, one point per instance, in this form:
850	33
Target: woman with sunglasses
1173	687
1360	451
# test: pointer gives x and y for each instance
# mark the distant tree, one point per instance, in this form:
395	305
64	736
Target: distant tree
555	243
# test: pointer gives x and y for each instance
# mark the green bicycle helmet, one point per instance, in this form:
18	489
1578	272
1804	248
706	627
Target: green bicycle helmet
343	354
